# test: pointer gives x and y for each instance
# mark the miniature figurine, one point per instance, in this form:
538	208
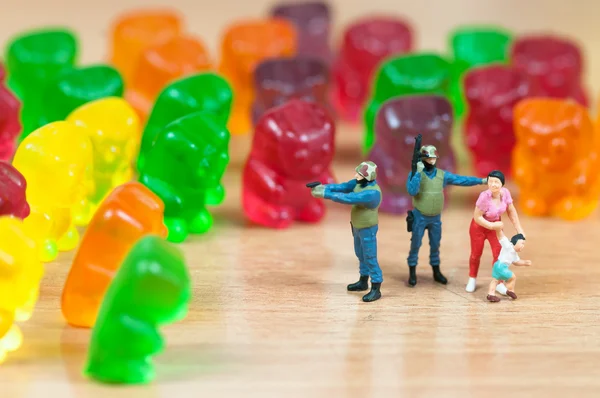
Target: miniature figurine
490	206
508	255
364	195
426	185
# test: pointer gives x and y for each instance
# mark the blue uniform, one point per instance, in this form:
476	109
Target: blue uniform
433	224
365	239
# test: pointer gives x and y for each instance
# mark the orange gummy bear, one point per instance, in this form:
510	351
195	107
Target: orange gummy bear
134	32
161	64
555	160
244	46
128	213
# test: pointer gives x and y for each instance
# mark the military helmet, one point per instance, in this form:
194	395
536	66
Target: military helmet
429	151
368	170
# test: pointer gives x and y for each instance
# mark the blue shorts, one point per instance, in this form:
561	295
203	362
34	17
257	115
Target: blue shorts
501	272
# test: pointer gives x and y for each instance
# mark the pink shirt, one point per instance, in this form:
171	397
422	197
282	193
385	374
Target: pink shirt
492	211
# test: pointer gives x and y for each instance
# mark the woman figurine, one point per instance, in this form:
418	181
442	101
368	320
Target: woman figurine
490	207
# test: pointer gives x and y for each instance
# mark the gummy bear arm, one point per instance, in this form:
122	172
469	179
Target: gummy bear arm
7	319
164	191
370	198
141	335
462	181
413	184
344	187
263	179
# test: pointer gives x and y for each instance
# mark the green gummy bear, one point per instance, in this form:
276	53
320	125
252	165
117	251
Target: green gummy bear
152	288
184	168
473	46
410	74
77	86
33	59
207	92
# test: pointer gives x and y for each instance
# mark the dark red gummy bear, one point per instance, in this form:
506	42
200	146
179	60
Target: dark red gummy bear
397	123
313	23
13	186
293	144
491	93
280	79
10	125
555	65
365	44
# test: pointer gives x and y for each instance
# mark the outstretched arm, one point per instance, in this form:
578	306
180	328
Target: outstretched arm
462	181
344	187
523	263
369	199
413	184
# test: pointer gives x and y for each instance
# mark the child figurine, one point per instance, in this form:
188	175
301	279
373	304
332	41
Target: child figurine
508	256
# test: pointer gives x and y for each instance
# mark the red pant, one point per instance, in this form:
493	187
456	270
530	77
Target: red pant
478	236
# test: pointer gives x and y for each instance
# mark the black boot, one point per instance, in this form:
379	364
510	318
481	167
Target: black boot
412	279
437	275
374	294
361	285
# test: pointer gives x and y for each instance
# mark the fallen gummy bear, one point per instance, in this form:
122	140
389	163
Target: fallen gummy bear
274	192
10	125
184	168
151	289
114	131
13	188
20	276
128	213
555	160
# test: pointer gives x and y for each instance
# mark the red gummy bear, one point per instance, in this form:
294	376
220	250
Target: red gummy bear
366	43
10	126
491	93
293	144
13	186
555	65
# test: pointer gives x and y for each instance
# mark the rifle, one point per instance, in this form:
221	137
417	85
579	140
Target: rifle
416	155
313	184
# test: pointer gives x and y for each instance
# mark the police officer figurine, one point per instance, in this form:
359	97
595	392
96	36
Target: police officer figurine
426	186
364	195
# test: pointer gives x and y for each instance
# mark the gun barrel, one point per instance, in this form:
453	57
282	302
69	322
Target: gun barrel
313	184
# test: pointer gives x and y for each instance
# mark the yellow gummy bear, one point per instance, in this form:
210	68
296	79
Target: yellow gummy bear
113	127
54	160
20	275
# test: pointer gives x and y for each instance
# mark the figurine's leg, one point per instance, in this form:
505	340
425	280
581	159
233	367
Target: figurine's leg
313	211
418	230
477	237
510	287
496	247
435	237
368	238
491	295
363	282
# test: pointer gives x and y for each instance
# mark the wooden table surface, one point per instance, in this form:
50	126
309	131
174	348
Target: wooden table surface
271	316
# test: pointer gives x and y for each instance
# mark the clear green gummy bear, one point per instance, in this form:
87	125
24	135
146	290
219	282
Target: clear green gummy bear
473	46
151	289
411	74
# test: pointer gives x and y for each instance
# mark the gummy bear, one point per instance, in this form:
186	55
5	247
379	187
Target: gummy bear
33	60
13	188
134	32
418	73
77	86
274	192
492	92
161	64
278	80
20	276
128	213
555	160
398	121
114	131
151	289
10	125
245	45
207	92
54	160
473	46
184	168
365	44
553	63
312	20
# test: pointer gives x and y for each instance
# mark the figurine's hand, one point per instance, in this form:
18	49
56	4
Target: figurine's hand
484	181
318	191
527	263
497	225
420	167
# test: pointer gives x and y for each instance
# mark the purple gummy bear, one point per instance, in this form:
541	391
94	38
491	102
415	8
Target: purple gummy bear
312	20
278	80
398	122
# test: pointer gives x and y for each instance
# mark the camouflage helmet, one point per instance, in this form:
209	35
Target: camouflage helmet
368	170
429	151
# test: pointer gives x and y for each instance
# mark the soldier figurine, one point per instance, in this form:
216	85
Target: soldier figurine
364	195
426	185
